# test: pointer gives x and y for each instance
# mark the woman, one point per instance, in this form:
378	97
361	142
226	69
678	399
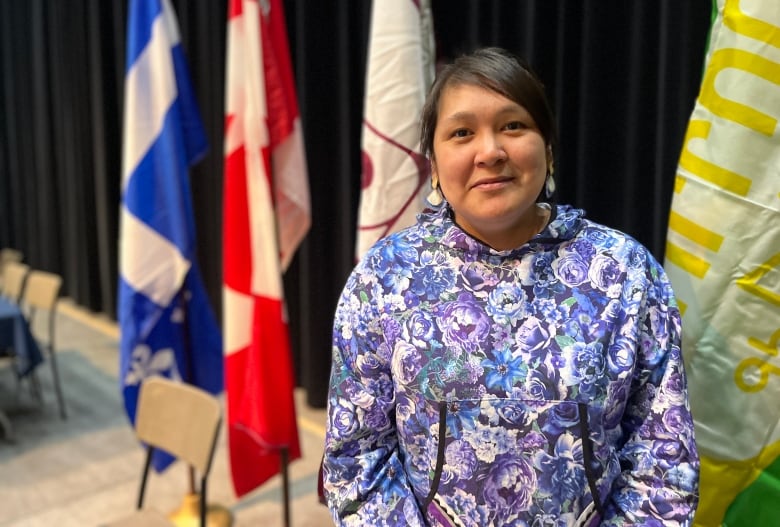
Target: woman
505	361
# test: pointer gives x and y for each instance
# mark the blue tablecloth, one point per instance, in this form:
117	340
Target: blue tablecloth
15	334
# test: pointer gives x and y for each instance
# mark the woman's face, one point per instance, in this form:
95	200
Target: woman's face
491	162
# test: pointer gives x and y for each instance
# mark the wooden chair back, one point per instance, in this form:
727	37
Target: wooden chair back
14	275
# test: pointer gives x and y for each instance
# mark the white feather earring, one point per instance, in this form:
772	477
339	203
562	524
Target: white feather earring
549	186
549	182
434	198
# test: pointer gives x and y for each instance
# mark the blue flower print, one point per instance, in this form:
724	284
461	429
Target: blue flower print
503	370
460	416
506	303
542	386
562	473
533	337
434	279
560	418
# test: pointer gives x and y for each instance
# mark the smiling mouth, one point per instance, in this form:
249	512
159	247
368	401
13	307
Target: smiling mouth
492	184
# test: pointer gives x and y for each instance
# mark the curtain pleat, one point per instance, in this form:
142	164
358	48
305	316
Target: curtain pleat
622	76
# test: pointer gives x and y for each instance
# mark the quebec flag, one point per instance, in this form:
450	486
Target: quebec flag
167	326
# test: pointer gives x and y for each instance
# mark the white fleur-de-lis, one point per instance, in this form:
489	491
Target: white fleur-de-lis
145	363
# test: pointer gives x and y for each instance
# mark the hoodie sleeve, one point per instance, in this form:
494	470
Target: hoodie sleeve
364	480
659	482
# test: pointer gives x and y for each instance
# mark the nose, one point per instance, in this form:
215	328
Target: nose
490	151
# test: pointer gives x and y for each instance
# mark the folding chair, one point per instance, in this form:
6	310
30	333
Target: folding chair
182	420
14	275
8	255
11	288
41	292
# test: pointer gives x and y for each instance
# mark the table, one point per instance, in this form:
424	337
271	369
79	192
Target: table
15	335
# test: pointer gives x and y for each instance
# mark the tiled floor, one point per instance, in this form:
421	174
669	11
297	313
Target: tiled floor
84	471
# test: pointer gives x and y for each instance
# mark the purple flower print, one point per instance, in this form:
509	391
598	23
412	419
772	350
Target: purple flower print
621	356
571	270
667	505
406	362
376	418
533	441
510	484
613	414
533	337
461	461
463	323
669	453
582	248
604	272
674	421
344	419
419	330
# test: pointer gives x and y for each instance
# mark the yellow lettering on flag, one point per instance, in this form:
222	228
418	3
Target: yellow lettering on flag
740	22
728	109
722	257
707	170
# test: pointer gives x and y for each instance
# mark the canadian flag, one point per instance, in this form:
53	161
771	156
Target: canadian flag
266	215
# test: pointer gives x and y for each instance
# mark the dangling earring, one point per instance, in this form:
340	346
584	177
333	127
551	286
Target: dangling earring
434	199
549	186
549	182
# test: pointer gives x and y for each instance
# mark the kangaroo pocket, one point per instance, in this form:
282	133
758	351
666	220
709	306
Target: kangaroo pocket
504	460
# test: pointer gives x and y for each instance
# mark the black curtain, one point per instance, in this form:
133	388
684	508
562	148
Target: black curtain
622	76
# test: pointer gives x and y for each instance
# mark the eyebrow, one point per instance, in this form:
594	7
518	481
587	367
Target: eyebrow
508	109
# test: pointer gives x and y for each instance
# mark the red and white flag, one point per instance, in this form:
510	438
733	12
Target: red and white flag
400	69
266	215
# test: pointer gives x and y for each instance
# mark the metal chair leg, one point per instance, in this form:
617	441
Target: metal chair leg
57	387
5	426
35	387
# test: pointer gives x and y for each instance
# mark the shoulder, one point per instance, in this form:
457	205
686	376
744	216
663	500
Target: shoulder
619	245
401	247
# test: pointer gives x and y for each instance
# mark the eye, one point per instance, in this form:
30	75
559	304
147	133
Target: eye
460	132
515	125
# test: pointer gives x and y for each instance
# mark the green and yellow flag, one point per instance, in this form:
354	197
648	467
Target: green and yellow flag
723	257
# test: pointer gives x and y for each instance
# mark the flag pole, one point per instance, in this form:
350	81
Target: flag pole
285	461
188	513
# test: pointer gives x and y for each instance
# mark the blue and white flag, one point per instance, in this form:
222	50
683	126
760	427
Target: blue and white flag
167	326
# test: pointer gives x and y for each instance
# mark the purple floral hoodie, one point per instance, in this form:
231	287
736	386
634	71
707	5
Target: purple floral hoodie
541	386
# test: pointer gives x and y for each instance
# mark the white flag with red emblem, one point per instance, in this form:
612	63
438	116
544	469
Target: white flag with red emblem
400	70
266	215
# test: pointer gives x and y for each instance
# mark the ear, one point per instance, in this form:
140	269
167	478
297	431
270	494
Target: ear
434	174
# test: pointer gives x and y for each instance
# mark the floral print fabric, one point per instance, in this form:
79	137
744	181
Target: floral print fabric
541	386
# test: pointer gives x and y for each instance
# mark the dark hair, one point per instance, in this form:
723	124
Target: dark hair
497	70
